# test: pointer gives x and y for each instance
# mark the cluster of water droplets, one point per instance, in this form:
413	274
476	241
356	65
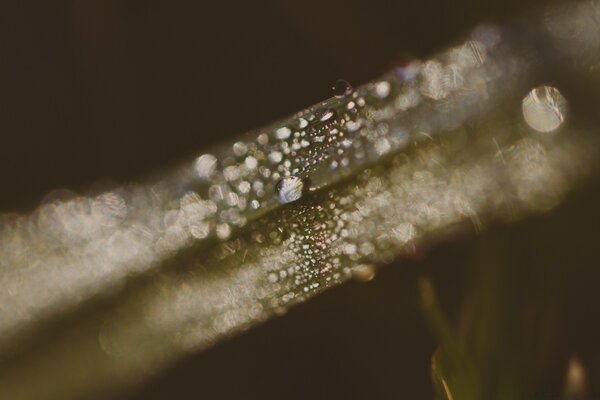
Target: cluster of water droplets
275	166
336	138
499	165
280	168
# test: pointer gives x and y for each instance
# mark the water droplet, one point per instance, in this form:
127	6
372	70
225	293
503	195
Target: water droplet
263	139
544	109
302	123
346	143
223	231
353	126
240	148
325	114
258	188
349	248
231	173
341	88
205	166
275	157
290	188
244	187
283	133
250	162
382	89
364	272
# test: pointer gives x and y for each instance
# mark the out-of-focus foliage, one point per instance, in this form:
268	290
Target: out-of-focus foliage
507	330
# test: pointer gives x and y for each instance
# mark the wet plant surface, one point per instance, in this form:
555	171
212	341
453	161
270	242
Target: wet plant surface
471	174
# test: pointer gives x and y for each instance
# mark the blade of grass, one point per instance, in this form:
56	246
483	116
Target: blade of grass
104	288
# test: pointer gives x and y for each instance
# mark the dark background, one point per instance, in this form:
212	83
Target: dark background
117	89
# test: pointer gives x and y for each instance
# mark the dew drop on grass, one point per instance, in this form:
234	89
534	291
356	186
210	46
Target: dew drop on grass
325	114
290	188
223	231
302	123
382	89
341	88
206	166
251	162
240	148
275	157
364	272
283	133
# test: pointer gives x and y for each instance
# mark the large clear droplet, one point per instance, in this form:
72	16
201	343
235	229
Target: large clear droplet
544	109
290	188
341	88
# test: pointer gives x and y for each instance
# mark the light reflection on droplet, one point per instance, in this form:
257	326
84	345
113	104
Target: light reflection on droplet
240	148
223	231
263	139
251	162
206	165
244	187
364	272
325	115
289	189
353	126
544	109
283	133
382	89
341	88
